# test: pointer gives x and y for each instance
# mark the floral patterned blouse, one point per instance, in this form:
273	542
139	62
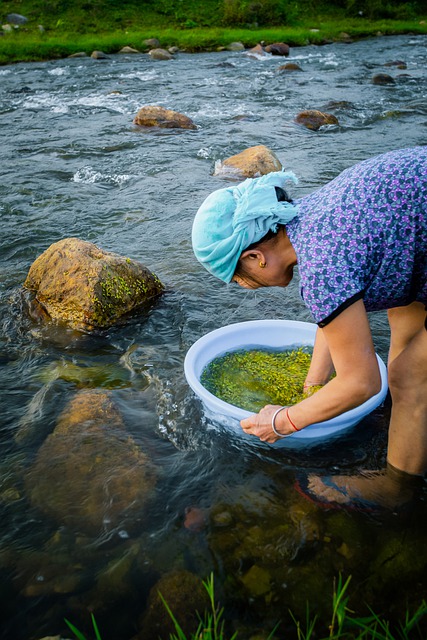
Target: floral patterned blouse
364	235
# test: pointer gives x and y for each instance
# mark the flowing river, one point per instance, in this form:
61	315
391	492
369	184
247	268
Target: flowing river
74	165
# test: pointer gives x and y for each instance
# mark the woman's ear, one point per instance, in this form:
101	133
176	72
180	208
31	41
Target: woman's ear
253	255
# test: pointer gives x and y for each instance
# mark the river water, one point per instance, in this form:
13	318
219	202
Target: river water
74	165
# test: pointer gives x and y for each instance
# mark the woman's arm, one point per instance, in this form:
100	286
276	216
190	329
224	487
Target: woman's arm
349	341
321	366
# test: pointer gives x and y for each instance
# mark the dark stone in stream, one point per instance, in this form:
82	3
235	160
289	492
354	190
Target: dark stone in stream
98	55
313	119
185	595
278	49
382	79
154	116
289	66
22	90
89	474
399	64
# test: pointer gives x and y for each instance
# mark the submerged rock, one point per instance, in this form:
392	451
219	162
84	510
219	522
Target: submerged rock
195	519
87	288
114	580
153	116
257	581
89	474
250	163
313	119
399	64
186	597
290	66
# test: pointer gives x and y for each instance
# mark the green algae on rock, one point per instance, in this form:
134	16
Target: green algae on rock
252	378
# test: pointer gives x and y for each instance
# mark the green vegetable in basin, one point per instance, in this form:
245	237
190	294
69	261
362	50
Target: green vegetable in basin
252	378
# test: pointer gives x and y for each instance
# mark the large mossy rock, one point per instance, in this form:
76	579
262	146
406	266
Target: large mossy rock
87	288
89	474
250	163
154	116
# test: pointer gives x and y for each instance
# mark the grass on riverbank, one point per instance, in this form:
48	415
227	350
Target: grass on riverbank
20	45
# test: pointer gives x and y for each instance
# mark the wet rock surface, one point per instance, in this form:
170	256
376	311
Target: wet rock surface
78	283
89	474
160	54
185	595
313	119
250	163
383	79
154	116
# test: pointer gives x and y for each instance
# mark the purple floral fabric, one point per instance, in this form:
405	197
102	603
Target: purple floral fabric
364	235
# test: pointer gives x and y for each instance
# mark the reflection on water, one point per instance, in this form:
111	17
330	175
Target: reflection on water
112	476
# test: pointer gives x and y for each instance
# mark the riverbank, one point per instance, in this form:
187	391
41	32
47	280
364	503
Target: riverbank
33	43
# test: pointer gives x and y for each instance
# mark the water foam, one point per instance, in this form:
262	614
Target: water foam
89	175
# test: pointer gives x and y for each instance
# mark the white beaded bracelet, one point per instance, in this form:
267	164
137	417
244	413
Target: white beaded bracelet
280	435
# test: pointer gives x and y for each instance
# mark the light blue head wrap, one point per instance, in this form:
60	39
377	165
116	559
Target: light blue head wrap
231	219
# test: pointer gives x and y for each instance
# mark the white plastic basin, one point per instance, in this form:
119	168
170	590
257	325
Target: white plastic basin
270	334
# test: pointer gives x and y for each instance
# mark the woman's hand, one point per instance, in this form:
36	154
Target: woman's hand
259	424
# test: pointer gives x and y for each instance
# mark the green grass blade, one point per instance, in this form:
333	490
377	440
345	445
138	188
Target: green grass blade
95	627
74	629
180	633
413	621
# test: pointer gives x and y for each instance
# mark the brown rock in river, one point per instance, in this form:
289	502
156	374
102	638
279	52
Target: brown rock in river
278	49
88	288
313	119
256	51
399	64
289	66
160	54
128	49
153	116
90	474
382	79
98	55
250	163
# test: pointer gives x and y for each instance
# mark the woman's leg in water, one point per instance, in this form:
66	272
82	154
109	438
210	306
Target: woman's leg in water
407	440
407	371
